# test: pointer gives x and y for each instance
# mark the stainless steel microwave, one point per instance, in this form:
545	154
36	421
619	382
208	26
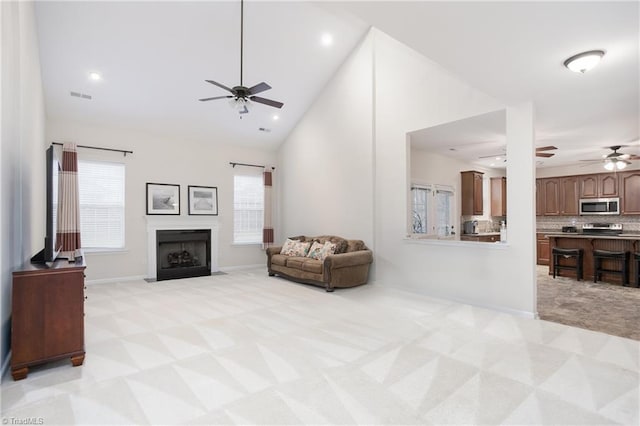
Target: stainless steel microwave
589	206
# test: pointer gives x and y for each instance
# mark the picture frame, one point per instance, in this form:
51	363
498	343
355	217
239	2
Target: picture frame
203	200
163	199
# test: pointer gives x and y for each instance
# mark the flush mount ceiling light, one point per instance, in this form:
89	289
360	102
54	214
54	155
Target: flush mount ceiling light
583	62
326	39
95	76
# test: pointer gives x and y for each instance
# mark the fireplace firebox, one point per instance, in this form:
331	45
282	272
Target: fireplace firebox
183	253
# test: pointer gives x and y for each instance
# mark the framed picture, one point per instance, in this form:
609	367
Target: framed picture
203	200
163	198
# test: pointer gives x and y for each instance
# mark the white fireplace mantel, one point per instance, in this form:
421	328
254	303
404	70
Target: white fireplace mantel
156	223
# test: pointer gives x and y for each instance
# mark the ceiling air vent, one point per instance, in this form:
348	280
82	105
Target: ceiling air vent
80	95
264	129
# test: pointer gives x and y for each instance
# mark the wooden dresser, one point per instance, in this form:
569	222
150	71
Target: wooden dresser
47	319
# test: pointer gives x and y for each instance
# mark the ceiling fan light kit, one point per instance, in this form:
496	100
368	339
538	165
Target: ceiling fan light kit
585	61
241	95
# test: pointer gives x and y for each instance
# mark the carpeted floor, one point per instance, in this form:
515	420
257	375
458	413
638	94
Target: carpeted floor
608	308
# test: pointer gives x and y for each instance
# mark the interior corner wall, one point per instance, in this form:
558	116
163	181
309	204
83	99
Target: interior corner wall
22	151
326	161
473	273
162	159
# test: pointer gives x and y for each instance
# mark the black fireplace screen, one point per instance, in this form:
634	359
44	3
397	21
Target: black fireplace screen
183	253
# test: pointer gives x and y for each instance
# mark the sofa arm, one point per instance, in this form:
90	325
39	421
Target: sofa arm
273	250
344	260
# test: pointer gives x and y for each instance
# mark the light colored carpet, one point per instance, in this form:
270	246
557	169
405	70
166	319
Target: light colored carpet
244	348
608	308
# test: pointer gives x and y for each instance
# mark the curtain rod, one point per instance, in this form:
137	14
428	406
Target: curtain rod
249	165
99	148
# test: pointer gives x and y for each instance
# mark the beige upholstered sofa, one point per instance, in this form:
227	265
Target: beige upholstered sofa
349	267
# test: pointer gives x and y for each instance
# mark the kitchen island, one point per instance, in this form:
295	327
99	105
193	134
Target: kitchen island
590	242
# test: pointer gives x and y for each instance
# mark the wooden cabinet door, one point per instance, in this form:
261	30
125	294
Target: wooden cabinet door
569	196
551	197
478	207
630	192
539	197
498	196
542	250
588	186
64	311
608	185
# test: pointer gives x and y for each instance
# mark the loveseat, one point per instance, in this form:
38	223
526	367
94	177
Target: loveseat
347	267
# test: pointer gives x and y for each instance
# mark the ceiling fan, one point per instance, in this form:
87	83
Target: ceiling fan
241	95
616	160
539	153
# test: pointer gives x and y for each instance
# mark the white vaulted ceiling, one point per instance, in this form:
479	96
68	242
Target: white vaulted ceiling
155	56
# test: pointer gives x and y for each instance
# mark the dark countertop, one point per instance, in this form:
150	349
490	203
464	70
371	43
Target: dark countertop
623	236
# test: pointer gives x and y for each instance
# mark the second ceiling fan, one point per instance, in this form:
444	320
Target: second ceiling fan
241	95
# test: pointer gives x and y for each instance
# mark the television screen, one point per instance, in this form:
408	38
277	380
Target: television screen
51	246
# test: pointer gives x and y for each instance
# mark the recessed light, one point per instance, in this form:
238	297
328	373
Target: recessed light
326	39
583	62
498	158
95	76
492	164
276	118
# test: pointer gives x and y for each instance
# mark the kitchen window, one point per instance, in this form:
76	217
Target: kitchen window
432	208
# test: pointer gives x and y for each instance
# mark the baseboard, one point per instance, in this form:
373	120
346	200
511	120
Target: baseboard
240	267
5	365
115	280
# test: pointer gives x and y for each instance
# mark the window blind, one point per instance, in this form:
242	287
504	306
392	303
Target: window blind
101	193
248	209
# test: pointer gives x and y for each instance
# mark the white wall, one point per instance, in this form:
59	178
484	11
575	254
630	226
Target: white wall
409	93
22	211
159	159
326	162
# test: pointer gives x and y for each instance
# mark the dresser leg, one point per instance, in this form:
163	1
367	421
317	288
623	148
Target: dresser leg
77	360
19	373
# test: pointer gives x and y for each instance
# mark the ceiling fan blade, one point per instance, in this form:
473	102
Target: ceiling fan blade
222	86
258	88
546	148
593	161
495	155
269	102
634	157
544	154
216	97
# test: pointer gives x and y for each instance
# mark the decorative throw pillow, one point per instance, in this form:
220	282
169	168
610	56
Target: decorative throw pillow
295	248
321	251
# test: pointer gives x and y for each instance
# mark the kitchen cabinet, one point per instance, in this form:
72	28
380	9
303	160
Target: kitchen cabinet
498	196
630	192
568	197
551	194
599	185
539	198
47	318
491	238
542	249
471	193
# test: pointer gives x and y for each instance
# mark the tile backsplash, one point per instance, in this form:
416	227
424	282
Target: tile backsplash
630	223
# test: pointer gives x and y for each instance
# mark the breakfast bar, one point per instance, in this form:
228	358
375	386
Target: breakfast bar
589	243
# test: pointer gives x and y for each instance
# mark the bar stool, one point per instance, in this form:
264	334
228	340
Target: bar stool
636	257
618	256
567	253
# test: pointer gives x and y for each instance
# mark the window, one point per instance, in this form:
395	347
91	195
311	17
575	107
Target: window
432	209
101	191
248	209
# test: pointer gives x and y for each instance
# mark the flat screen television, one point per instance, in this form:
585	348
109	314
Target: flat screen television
51	246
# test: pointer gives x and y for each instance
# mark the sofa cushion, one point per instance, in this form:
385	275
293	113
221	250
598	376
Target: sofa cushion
355	245
312	265
341	243
295	262
279	259
295	248
320	251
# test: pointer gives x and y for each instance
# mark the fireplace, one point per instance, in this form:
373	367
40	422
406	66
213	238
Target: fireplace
183	253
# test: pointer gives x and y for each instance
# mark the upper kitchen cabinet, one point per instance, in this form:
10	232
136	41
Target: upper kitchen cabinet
630	192
568	196
550	194
471	193
601	185
539	198
498	196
